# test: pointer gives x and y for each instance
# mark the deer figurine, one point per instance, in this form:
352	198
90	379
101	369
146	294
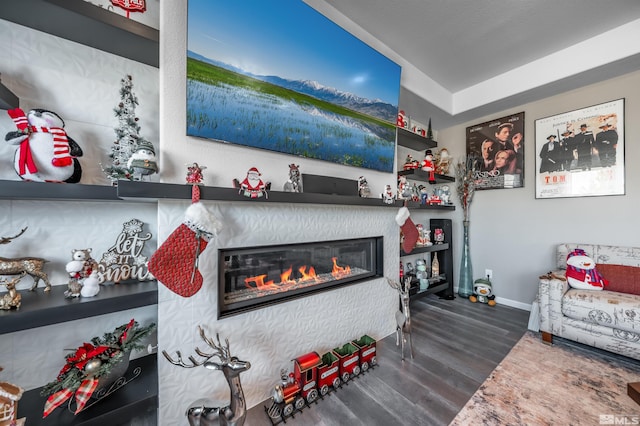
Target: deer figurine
201	412
403	316
11	299
24	265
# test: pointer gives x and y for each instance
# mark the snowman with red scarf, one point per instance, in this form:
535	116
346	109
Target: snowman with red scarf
582	273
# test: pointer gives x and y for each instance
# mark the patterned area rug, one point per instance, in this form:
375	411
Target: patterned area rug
563	384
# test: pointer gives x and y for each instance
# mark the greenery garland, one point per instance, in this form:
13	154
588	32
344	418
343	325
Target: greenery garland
108	350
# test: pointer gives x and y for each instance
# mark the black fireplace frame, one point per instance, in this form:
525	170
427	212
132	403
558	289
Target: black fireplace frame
231	309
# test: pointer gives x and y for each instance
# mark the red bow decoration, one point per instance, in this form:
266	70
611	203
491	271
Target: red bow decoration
83	354
84	392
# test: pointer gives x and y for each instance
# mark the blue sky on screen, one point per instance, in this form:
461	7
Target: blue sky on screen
289	39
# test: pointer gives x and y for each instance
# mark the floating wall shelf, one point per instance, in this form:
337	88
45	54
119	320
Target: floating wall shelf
7	99
87	24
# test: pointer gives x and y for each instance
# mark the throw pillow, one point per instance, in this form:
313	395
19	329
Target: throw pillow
622	278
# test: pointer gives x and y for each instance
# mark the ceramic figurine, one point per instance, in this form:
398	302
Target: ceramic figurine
252	186
194	174
438	235
429	166
387	196
143	161
421	274
294	184
443	161
404	190
363	187
11	299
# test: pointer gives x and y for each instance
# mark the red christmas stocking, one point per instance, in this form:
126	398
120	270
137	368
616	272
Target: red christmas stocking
175	263
408	228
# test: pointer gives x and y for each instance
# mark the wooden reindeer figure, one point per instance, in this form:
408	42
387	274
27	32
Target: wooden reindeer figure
201	412
403	316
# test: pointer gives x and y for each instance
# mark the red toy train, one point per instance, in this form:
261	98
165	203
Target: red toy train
313	375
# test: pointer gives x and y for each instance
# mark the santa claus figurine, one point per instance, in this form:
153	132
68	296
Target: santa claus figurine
429	166
252	186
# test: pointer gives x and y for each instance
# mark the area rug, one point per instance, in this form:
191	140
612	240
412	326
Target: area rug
563	384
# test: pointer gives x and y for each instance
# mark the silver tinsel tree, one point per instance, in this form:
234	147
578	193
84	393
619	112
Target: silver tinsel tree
127	133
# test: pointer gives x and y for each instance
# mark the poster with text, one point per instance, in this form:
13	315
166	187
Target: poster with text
498	147
581	153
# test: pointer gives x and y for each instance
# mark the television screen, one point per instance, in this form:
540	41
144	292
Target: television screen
280	76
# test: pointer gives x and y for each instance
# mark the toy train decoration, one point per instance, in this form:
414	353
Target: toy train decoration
314	376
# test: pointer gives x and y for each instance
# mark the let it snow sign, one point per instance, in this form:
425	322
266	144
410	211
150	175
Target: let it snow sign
125	260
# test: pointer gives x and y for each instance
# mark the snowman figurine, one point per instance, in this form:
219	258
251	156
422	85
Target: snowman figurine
143	161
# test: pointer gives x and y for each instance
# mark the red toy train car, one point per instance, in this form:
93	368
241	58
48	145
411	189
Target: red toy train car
314	375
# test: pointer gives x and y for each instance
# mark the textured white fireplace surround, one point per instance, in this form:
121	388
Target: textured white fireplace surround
270	337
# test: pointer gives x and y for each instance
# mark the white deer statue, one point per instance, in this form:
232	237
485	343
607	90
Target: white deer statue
202	412
403	316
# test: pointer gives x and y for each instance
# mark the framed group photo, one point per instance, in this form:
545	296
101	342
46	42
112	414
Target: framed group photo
498	149
580	153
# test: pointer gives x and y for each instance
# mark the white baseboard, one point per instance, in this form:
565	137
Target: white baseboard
513	303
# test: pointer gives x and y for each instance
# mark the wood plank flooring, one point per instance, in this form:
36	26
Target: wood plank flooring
456	344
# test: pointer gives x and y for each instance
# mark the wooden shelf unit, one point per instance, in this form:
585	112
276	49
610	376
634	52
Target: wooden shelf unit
443	288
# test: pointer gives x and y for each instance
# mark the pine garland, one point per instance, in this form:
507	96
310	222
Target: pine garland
110	349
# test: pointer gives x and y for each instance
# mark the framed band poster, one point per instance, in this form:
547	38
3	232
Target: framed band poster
581	153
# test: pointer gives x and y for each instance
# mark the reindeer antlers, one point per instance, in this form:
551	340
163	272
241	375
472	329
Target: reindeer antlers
221	352
6	240
400	287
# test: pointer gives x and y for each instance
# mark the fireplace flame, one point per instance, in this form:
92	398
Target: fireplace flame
339	271
285	277
307	275
258	281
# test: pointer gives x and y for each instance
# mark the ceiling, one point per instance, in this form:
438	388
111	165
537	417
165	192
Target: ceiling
464	59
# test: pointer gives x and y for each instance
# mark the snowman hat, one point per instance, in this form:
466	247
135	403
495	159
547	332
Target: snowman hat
146	145
577	252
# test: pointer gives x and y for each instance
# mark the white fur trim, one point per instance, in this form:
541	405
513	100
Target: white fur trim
197	217
402	216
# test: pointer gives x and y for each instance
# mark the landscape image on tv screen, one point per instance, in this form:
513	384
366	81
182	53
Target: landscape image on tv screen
280	76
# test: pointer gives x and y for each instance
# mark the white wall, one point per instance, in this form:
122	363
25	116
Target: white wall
514	234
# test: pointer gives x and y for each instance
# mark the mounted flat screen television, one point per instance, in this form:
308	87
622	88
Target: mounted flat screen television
280	76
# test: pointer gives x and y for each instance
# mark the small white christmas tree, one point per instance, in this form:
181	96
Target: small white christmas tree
127	133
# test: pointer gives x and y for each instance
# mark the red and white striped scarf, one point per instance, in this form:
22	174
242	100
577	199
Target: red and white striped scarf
61	150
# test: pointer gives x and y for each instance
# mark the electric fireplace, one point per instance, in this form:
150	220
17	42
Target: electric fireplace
254	277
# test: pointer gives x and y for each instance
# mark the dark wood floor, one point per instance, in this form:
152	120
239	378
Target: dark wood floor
456	344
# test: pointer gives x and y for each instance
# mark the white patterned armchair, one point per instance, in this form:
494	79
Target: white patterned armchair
608	319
